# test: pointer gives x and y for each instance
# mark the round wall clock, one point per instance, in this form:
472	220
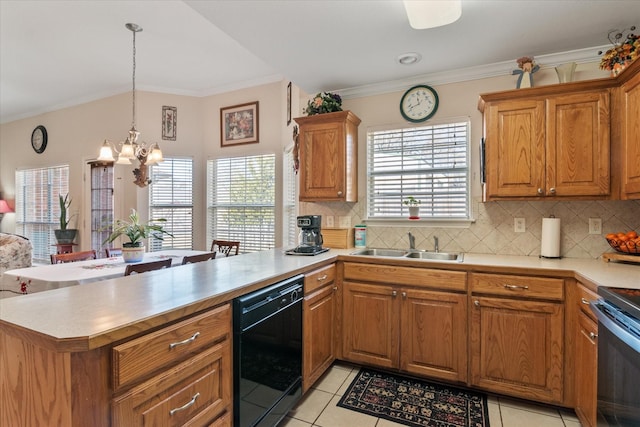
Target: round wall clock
39	139
419	103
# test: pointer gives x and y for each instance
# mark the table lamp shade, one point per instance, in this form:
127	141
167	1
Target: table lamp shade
4	207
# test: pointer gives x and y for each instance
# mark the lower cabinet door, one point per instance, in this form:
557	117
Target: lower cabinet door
370	324
319	327
517	347
434	334
194	393
586	370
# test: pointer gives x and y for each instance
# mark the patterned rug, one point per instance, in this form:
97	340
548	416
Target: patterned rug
413	402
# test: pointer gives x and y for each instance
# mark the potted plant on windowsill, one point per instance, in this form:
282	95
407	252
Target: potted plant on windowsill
133	250
65	235
414	207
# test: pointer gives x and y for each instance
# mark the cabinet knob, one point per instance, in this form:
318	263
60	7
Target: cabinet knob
593	336
476	303
394	293
539	190
404	295
335	288
552	190
339	193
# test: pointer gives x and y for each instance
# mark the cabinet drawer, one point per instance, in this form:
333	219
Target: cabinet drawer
423	277
318	278
138	358
584	297
192	393
521	286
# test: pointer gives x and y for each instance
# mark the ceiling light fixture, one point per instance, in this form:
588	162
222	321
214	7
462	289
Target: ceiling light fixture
409	58
132	149
432	13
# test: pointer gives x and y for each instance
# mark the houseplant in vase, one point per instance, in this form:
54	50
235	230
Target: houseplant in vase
65	235
133	250
414	207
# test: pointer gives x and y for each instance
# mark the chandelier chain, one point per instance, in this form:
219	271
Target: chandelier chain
133	123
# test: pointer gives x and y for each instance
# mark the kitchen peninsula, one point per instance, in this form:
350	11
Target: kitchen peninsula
94	353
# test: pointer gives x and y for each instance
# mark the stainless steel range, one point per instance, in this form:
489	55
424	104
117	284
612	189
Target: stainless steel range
618	312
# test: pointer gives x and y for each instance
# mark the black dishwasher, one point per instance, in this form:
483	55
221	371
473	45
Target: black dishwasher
267	353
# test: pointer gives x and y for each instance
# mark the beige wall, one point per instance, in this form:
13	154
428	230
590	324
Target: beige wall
76	133
492	232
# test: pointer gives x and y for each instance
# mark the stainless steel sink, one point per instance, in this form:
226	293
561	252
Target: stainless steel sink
399	253
437	256
380	252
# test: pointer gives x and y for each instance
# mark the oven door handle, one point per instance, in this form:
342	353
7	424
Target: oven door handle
613	326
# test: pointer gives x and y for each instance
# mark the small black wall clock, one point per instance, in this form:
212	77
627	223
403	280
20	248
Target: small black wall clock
419	103
39	139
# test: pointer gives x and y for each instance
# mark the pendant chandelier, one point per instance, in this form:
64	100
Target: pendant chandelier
131	149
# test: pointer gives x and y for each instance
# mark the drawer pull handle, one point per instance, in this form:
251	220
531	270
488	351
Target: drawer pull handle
321	278
585	302
186	405
516	287
187	341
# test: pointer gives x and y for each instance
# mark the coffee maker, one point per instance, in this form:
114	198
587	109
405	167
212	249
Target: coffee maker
310	241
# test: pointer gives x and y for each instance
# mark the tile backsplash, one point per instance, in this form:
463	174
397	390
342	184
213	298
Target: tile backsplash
493	229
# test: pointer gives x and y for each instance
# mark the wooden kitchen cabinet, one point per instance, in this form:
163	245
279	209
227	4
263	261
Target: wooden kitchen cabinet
517	336
586	357
406	318
328	150
630	152
547	144
319	324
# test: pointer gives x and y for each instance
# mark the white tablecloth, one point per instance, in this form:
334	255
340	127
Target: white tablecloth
46	277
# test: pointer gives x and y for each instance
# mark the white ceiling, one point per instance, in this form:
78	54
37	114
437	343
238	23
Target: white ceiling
60	53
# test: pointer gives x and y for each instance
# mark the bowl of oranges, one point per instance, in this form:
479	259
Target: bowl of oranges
627	243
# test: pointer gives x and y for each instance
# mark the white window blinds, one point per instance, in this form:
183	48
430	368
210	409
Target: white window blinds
241	201
38	207
171	198
430	163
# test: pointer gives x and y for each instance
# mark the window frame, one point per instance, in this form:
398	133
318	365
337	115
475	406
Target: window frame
439	221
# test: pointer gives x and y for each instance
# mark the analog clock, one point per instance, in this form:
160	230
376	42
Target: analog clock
39	139
419	103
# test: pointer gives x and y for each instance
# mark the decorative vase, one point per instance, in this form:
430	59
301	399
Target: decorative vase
414	212
65	237
565	72
132	254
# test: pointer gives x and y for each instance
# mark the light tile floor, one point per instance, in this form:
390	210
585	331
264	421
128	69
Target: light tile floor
319	408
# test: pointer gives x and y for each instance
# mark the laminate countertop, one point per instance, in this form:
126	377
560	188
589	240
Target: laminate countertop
88	316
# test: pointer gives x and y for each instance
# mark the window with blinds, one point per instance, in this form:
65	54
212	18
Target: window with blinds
241	201
171	198
289	200
430	163
101	206
38	207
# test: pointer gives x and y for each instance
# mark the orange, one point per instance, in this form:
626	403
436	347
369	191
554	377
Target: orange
632	234
611	236
623	237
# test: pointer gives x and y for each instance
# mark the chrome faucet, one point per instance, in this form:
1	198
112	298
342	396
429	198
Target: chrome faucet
412	241
436	246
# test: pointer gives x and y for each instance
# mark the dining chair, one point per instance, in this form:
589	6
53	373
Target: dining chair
198	258
111	252
147	266
225	247
73	257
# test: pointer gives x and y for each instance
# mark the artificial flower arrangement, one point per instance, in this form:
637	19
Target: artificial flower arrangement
526	67
622	53
324	102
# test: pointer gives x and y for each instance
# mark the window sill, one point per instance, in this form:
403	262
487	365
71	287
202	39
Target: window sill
426	222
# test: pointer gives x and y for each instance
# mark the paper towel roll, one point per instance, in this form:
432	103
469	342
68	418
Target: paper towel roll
550	242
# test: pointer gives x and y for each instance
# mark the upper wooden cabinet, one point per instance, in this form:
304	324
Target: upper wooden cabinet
548	146
329	157
630	116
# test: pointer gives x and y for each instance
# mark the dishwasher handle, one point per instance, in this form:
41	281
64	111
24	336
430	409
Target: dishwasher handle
614	325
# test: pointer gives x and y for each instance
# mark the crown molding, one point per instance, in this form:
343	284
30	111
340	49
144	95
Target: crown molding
579	56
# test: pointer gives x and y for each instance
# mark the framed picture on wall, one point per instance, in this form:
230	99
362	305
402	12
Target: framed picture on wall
239	124
289	104
169	123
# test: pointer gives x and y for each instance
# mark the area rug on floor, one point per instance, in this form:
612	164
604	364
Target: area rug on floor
413	402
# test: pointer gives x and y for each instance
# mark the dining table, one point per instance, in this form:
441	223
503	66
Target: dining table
52	276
